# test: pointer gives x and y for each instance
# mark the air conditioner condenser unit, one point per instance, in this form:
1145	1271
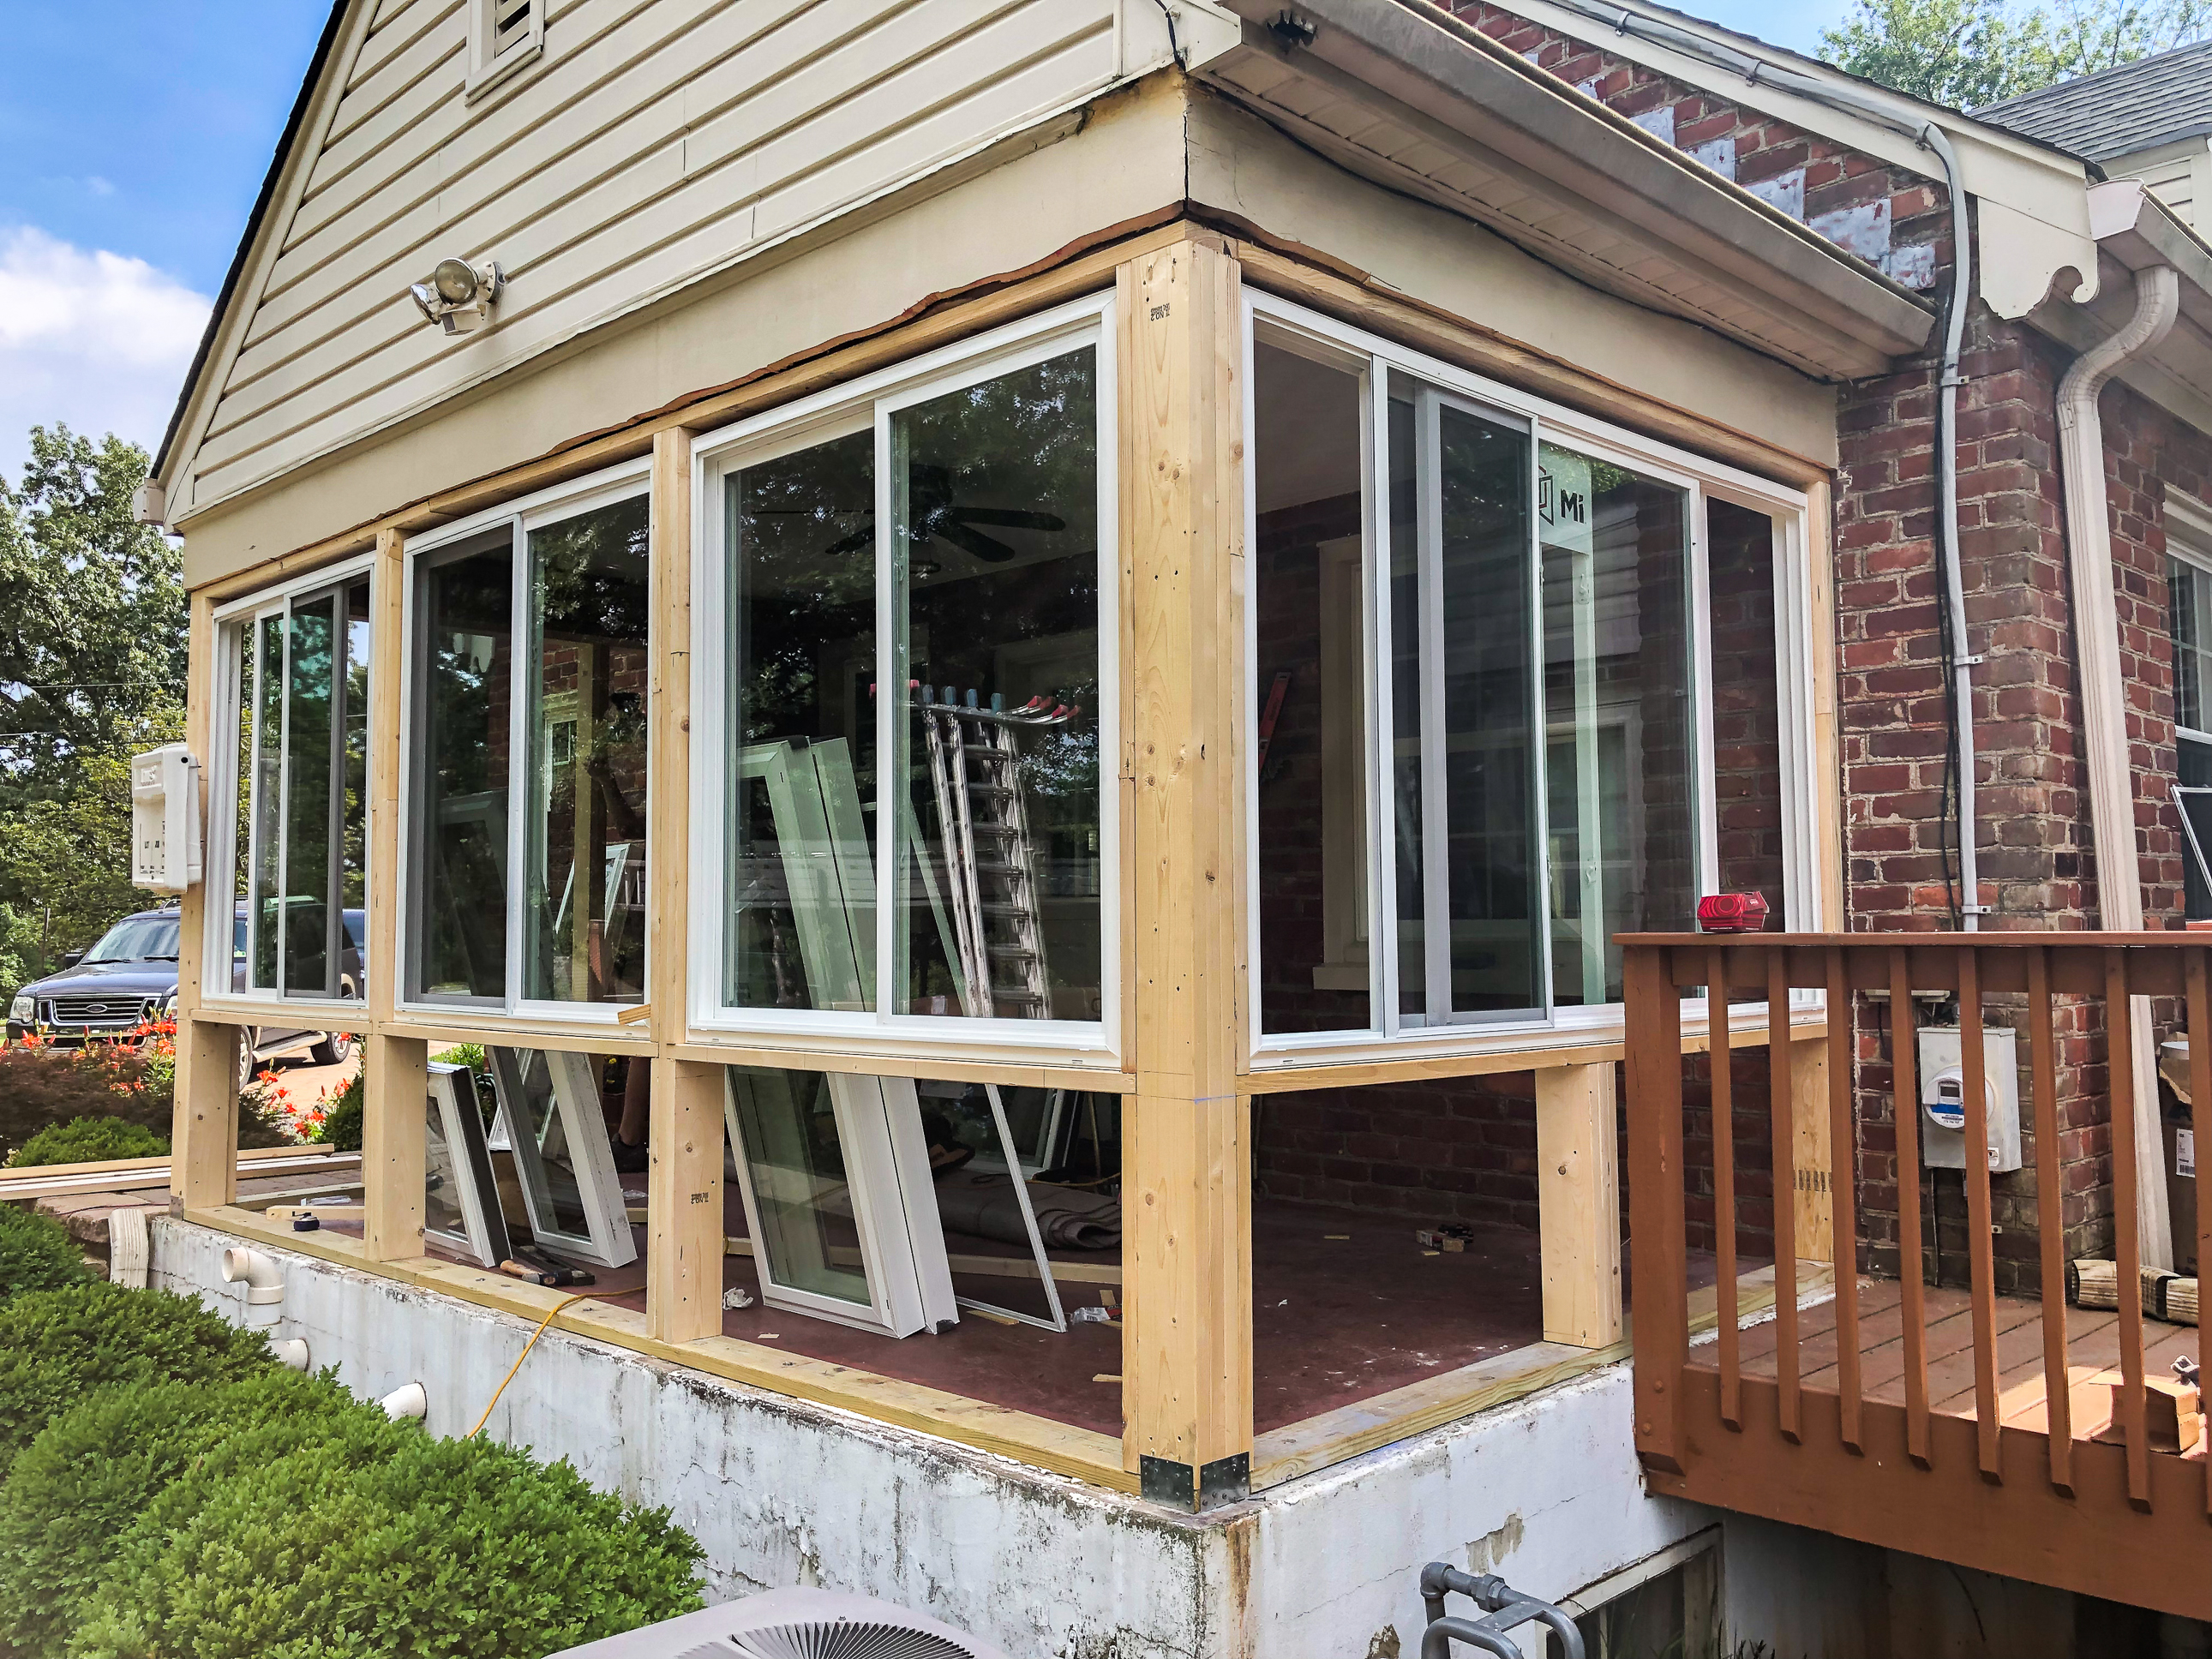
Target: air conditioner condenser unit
792	1624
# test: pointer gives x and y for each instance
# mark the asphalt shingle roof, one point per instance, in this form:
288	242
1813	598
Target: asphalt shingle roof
2117	111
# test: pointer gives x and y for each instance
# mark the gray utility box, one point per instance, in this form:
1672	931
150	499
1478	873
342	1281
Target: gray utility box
1943	1101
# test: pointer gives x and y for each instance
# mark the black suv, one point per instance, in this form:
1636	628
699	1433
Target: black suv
131	977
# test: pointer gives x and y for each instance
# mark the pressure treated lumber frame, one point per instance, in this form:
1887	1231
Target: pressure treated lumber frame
1187	1280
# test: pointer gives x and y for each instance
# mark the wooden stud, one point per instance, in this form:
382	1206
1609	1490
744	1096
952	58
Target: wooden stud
683	1203
683	1184
388	668
395	1082
1813	1158
1187	1360
1578	1204
1820	673
203	1120
2200	1091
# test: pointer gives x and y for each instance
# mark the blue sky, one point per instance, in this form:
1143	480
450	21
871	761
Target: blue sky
133	137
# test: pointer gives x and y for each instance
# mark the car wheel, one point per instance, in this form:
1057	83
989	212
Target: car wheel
335	1049
245	1035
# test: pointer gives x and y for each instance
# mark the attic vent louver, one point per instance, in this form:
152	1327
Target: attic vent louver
503	36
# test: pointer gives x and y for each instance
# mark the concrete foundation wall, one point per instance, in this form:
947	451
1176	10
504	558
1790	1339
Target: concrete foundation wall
779	1492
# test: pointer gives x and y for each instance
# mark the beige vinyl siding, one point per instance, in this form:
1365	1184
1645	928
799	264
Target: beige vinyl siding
657	141
2176	173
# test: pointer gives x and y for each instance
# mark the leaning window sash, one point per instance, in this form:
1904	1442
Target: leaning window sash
461	1197
566	1145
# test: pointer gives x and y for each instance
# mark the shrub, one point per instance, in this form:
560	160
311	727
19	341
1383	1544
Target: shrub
88	1141
74	1494
459	1548
56	1345
42	1085
37	1253
341	1126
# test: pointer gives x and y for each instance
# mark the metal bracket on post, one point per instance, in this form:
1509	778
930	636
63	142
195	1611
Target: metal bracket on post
1507	1609
1209	1487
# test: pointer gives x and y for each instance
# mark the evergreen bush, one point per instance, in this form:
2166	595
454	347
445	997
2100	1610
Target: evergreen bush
58	1345
88	1141
37	1253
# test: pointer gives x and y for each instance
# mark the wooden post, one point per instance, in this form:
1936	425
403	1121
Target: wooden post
394	1070
1578	1204
203	1120
395	1096
683	1184
1186	1358
1812	1197
1660	1316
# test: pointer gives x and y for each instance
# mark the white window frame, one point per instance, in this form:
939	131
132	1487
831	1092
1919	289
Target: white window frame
1372	358
489	67
628	481
2188	540
887	1171
452	1100
608	1241
225	826
864	404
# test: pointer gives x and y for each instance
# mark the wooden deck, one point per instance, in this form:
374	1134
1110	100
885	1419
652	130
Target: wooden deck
2093	1355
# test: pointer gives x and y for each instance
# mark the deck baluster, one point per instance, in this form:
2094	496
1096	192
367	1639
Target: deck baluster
2199	983
1844	1160
2049	1215
1911	1270
1724	1116
1981	1268
1782	1121
2127	1246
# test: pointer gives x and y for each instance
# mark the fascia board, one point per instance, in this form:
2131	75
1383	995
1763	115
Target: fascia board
243	296
1460	79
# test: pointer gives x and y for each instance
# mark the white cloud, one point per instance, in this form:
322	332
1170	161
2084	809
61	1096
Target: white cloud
96	340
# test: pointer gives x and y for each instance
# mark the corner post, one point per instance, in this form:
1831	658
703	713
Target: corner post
395	1075
1578	1204
1660	1316
204	1123
684	1181
1187	1361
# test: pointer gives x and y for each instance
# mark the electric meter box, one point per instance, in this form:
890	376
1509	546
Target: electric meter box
165	819
1943	1099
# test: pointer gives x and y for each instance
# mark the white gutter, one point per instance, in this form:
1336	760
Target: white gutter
2104	704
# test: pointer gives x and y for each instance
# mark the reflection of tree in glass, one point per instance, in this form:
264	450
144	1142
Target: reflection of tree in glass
1017	453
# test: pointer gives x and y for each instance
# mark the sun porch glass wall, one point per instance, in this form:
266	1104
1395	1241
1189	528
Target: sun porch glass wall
526	759
910	590
1519	685
295	776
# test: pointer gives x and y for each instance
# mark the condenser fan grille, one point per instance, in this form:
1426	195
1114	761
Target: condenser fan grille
847	1638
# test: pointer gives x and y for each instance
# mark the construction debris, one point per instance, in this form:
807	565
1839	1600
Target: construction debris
2093	1284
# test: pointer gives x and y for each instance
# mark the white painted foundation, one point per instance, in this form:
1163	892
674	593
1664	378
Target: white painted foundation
1545	1492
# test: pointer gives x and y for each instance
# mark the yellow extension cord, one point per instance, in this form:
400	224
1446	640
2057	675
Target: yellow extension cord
557	1307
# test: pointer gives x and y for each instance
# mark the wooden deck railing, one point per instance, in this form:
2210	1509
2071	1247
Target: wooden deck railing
1705	1429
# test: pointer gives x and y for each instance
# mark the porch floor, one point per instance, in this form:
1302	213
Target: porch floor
2093	1353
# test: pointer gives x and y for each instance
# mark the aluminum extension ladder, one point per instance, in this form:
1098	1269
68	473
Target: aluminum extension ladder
990	858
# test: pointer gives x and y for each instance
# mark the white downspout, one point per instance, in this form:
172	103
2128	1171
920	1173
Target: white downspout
2104	703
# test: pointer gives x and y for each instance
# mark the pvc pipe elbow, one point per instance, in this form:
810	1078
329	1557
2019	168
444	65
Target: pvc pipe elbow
264	1282
408	1400
292	1355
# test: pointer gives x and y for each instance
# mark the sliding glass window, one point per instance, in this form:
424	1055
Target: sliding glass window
909	586
1516	688
296	681
527	783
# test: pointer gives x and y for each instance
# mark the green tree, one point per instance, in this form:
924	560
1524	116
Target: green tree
92	670
1967	53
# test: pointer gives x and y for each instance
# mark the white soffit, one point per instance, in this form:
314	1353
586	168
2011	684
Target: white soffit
1449	117
2135	230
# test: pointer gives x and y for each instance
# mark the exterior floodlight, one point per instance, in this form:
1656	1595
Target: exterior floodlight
457	294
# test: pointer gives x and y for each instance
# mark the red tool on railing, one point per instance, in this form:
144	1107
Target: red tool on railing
1732	913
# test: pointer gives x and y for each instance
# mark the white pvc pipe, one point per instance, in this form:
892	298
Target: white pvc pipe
293	1354
2104	704
264	1284
409	1400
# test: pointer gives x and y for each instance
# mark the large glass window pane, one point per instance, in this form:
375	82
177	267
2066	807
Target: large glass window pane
800	930
584	903
2190	608
1481	691
353	850
1308	690
1617	709
786	1131
266	787
311	773
1409	844
994	551
1746	764
466	602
